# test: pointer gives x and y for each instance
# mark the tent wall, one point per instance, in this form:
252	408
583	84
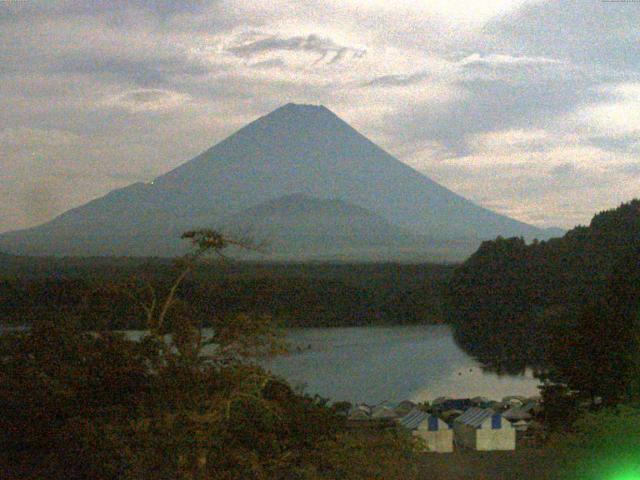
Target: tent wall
485	439
440	441
502	439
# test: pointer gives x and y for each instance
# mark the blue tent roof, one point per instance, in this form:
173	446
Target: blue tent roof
412	419
474	417
415	417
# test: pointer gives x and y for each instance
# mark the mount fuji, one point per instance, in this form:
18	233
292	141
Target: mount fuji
301	179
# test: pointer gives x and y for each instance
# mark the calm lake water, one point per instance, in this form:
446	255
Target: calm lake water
372	364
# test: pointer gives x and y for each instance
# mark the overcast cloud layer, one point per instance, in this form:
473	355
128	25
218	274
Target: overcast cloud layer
530	108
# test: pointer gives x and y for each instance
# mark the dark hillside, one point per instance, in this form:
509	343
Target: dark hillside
510	297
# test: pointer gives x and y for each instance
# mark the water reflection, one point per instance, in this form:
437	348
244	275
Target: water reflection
372	364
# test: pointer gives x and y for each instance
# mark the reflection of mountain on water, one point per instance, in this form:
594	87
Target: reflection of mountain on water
503	351
371	364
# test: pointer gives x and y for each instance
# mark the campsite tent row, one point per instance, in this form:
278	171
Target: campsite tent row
476	429
382	411
514	408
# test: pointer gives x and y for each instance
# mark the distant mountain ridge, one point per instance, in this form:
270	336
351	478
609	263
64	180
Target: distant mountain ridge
302	227
296	149
300	214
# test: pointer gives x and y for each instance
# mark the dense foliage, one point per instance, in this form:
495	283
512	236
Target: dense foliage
97	406
568	306
99	290
173	405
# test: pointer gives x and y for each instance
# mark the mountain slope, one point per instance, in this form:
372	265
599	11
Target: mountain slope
295	149
302	227
300	216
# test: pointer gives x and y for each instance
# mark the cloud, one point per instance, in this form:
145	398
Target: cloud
618	114
397	80
501	59
256	43
497	99
487	105
26	137
564	170
162	8
618	143
558	187
632	168
271	63
591	33
147	72
510	140
147	100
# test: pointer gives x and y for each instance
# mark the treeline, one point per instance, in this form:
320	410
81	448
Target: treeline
568	306
110	293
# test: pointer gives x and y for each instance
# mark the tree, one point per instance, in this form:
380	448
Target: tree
97	405
598	355
567	307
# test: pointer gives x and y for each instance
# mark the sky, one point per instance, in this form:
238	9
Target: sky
528	107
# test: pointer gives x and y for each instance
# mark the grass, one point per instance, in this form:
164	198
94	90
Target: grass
521	464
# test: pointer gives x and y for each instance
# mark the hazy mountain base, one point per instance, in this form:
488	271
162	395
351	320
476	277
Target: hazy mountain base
290	249
299	227
291	228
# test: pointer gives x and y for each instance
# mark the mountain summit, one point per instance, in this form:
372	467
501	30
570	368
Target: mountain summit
296	149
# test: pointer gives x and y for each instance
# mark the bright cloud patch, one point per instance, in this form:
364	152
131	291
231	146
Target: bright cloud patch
619	115
510	141
500	59
465	11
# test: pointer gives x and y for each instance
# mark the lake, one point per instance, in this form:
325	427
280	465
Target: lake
372	364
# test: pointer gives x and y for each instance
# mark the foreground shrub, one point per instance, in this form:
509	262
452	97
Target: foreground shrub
601	445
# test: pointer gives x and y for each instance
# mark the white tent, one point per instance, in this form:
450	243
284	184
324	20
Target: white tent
360	412
437	435
483	429
384	410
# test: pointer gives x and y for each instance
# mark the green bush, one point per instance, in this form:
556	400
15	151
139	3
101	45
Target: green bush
601	446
